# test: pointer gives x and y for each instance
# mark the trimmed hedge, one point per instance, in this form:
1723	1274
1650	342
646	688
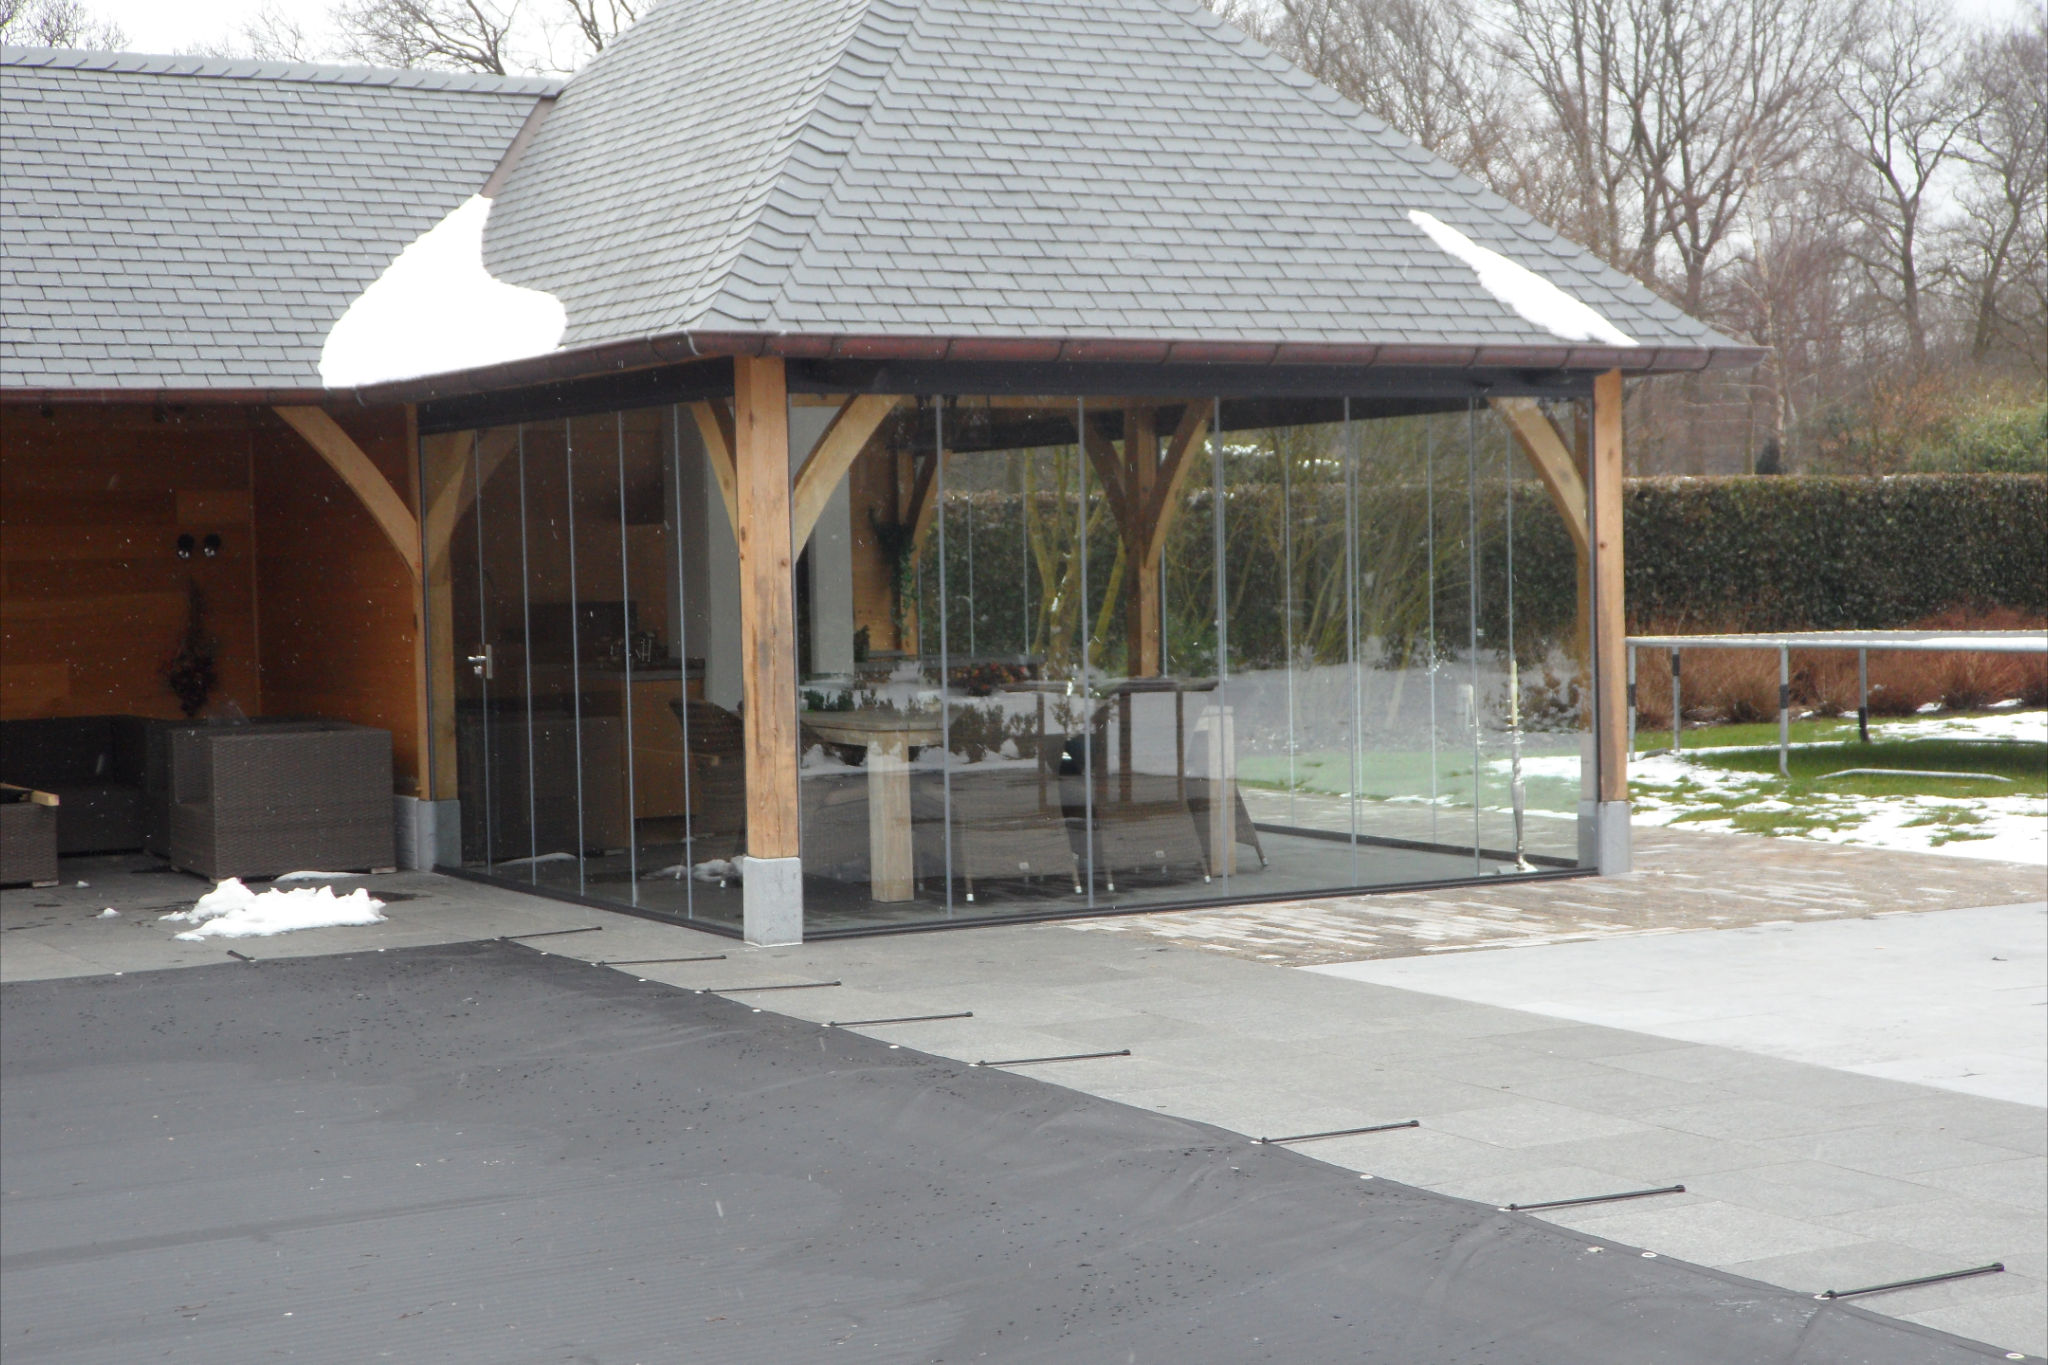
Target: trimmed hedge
1782	553
1816	553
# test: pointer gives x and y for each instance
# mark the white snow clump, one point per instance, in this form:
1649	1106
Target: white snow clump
232	910
1522	289
436	309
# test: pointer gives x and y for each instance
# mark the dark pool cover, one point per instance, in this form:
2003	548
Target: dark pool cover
485	1153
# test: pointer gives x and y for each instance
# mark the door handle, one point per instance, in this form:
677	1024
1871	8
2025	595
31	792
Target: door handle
483	665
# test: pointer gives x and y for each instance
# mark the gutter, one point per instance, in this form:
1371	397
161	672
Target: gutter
677	347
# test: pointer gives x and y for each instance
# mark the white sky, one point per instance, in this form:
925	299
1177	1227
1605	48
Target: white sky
169	25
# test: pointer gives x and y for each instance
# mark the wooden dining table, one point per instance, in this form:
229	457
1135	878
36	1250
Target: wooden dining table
888	736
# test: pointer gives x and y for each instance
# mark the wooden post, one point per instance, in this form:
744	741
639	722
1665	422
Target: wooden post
1610	631
443	456
1141	610
767	604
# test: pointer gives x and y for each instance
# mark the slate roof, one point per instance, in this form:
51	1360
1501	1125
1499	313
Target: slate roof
183	223
1016	178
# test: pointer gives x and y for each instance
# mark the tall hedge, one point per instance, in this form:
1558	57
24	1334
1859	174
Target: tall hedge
1784	553
1816	553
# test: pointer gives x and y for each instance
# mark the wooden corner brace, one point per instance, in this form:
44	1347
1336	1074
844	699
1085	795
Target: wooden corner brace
1552	457
364	479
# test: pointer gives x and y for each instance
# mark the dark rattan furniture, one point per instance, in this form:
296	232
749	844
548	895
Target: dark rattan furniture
93	764
28	837
258	800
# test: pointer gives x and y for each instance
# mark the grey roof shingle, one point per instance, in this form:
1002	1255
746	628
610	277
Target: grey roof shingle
1041	169
175	222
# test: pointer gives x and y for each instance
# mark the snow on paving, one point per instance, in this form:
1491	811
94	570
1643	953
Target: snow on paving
1522	289
436	309
232	910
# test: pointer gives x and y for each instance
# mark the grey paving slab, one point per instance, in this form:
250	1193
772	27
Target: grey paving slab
1705	1231
1648	1154
1973	1230
1532	1123
1885	1149
1809	1189
2021	1182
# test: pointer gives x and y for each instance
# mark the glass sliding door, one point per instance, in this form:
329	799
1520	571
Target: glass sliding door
1057	654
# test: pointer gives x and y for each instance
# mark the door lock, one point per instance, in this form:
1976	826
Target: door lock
483	665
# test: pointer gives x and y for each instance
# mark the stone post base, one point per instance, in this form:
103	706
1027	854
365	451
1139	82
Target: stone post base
772	900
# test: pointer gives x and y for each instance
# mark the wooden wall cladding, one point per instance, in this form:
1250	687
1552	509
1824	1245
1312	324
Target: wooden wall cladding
93	598
313	611
337	608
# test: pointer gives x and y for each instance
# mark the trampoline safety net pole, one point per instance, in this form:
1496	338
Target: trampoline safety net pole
1677	715
1631	701
1784	711
1863	695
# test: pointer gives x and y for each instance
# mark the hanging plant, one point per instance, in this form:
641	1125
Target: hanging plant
191	673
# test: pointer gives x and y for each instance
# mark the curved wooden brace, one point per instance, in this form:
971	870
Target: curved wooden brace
364	479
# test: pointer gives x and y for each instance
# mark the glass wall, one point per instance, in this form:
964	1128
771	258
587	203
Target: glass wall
1056	655
589	583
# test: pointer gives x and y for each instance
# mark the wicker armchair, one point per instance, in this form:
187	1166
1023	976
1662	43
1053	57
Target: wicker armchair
255	801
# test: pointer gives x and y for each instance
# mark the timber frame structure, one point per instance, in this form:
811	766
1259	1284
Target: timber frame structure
785	262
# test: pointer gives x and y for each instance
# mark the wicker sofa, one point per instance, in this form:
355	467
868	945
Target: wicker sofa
258	800
93	764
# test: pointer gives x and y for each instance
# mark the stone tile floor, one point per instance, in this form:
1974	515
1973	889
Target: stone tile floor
1797	1173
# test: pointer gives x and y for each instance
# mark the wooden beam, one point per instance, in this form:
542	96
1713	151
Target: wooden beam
715	425
1110	469
364	479
767	603
924	497
826	465
1610	662
1551	455
1173	474
453	491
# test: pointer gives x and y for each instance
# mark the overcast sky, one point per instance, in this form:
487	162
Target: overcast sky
158	26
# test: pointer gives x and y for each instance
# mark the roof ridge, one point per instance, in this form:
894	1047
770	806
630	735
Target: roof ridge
236	68
828	134
767	203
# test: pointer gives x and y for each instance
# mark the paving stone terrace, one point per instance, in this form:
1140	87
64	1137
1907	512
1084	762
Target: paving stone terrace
1684	879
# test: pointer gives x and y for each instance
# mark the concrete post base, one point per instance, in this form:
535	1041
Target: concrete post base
1589	834
1616	856
772	900
426	833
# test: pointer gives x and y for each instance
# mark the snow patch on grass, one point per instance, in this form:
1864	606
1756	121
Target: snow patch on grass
232	910
1671	790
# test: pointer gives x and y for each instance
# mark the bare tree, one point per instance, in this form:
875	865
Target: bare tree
1666	115
1905	107
500	37
57	23
2003	235
271	35
597	22
1412	63
462	35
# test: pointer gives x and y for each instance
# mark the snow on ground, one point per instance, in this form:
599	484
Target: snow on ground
232	910
1522	289
436	309
2012	829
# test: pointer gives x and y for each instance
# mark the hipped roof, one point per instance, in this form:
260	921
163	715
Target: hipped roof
1018	179
194	225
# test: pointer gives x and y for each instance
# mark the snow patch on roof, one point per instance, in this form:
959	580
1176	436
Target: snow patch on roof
435	309
1529	294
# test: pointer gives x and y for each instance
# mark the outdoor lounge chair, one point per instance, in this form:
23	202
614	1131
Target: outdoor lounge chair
259	800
